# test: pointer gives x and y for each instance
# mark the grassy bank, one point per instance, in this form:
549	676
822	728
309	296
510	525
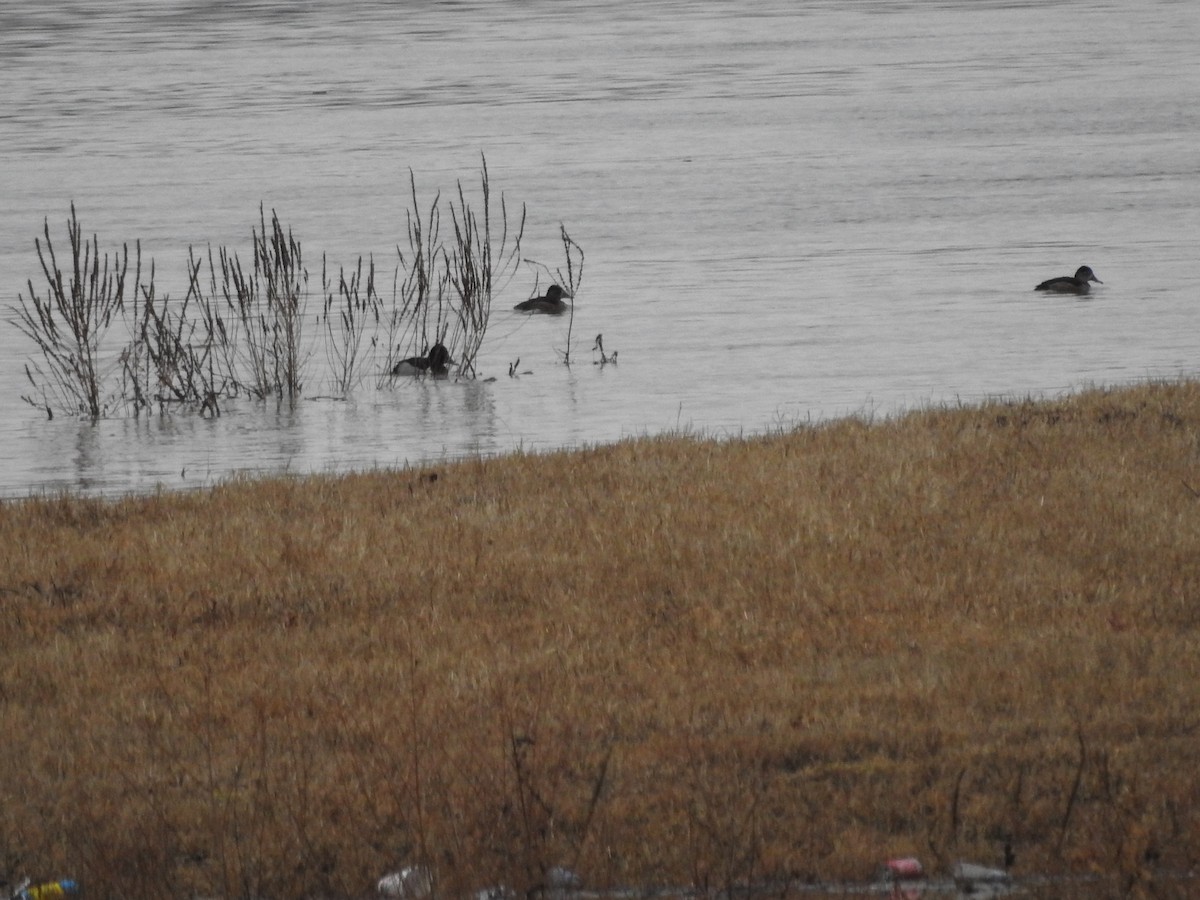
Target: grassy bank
665	661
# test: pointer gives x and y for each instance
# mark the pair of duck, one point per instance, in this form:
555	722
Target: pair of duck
1071	284
1079	283
437	362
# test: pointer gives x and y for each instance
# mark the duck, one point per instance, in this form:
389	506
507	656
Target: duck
1071	284
435	364
552	303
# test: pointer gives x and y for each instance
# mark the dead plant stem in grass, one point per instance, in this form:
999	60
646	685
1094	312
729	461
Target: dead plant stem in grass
1074	793
417	726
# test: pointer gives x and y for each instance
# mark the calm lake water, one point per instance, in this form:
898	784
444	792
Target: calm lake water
790	210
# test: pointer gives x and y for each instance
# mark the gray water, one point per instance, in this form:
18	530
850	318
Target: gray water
790	211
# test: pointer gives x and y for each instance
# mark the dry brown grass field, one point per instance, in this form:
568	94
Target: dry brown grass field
668	661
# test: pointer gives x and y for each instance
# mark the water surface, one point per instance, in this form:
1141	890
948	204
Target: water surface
789	211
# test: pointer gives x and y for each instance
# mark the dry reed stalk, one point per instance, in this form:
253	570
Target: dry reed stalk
663	661
571	279
446	293
418	317
574	277
347	321
483	259
171	361
281	283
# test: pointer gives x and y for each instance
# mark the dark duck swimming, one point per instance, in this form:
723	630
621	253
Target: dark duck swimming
551	304
436	363
1071	284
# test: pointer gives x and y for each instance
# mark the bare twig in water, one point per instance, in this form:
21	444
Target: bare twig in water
570	280
605	359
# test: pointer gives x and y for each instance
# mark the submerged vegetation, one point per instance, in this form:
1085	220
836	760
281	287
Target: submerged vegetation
967	633
109	343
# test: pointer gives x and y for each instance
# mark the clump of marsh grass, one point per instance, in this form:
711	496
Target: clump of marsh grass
264	310
170	361
239	330
444	288
484	257
419	316
70	321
